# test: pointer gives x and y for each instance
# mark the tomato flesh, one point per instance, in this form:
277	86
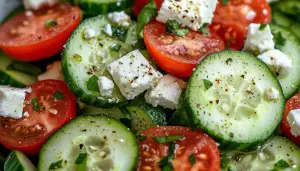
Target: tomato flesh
291	104
194	143
30	132
30	38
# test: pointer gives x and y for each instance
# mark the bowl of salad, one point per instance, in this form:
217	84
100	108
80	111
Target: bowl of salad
149	85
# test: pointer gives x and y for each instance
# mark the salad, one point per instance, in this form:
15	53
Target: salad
149	85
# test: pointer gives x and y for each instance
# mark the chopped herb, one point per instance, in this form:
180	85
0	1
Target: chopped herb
173	27
165	163
58	95
50	23
56	165
119	32
166	139
282	164
92	84
262	27
208	84
81	158
116	48
225	2
192	159
279	40
35	104
141	137
77	58
204	29
148	13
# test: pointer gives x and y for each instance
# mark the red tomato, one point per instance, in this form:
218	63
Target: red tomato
179	55
139	5
30	132
195	143
231	20
291	104
29	38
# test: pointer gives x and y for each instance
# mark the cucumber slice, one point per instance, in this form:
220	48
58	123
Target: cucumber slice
277	154
84	59
226	98
279	19
105	144
290	84
17	161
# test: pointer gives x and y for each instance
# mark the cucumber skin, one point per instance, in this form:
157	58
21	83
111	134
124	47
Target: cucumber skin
7	80
12	164
224	144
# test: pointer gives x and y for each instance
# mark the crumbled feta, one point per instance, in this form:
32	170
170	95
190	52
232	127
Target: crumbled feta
166	93
133	74
38	127
89	33
26	114
258	40
12	101
37	4
272	94
293	119
108	30
192	14
280	63
53	72
28	13
106	86
119	18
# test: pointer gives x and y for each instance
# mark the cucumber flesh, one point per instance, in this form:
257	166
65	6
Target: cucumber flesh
106	143
17	161
233	108
276	150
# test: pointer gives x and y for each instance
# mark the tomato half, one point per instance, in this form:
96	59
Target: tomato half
139	5
231	20
179	55
291	104
39	35
57	106
204	149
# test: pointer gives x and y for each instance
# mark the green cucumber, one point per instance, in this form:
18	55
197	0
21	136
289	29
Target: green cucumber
290	83
226	98
280	19
86	59
276	154
91	142
17	161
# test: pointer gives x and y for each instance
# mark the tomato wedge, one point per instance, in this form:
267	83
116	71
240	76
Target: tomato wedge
139	5
179	55
56	107
40	34
194	151
291	104
232	19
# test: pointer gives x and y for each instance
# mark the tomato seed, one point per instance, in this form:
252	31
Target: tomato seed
18	129
149	160
147	168
53	111
202	156
146	154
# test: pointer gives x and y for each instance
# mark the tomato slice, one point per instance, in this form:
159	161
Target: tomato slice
231	20
40	35
204	149
139	5
57	106
291	104
179	55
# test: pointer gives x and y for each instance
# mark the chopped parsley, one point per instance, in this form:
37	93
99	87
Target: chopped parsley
262	27
204	29
225	2
81	158
116	48
56	165
35	105
281	164
192	159
92	84
165	163
166	139
119	32
141	137
207	84
50	23
279	40
58	95
173	27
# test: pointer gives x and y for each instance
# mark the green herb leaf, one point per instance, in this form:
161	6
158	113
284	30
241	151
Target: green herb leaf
119	32
141	137
165	164
173	27
146	15
50	23
58	95
262	27
282	164
92	84
56	165
204	29
166	139
35	105
81	158
192	159
225	2
116	48
279	40
208	84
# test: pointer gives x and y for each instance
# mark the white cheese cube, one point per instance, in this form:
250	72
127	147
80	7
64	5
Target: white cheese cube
119	18
293	119
192	14
133	74
272	94
89	33
279	63
106	86
12	101
166	93
259	40
37	4
108	30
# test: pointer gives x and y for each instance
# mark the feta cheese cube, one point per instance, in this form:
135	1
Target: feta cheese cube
279	63
293	119
133	74
89	33
108	30
119	18
37	4
12	101
192	14
106	86
258	40
166	93
272	94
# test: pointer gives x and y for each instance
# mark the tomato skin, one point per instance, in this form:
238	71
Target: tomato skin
291	104
194	142
46	42
179	55
31	143
139	5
